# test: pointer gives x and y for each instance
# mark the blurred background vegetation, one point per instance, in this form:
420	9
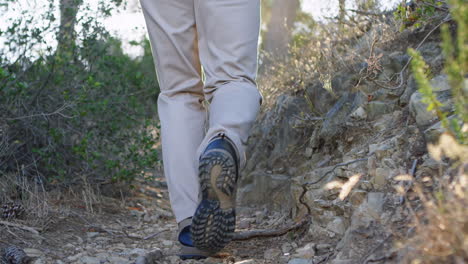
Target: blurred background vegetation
73	104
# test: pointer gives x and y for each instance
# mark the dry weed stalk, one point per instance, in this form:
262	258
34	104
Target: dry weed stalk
89	196
30	194
442	225
323	54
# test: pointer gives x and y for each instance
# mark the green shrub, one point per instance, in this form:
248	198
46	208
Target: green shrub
416	13
456	67
86	110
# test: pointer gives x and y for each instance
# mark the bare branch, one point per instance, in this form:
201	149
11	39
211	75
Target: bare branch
23	227
56	112
360	12
271	232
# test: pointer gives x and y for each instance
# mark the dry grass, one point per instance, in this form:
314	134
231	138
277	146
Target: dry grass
330	49
31	195
441	227
41	206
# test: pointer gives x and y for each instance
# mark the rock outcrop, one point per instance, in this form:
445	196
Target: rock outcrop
300	163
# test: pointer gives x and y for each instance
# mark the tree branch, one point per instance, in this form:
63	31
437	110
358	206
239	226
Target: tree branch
271	232
23	227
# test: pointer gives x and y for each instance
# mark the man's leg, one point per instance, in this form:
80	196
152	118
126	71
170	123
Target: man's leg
228	39
172	31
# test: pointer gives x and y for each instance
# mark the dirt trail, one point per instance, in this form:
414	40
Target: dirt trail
141	229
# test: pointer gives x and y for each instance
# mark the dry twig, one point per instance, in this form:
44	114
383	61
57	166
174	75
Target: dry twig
271	232
401	73
364	13
45	115
23	227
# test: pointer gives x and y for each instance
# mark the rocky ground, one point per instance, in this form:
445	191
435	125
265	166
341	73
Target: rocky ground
337	158
141	229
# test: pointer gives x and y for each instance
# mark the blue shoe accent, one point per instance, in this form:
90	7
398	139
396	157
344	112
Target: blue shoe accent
188	251
185	238
195	257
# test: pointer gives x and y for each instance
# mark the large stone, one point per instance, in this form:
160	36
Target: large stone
364	225
306	252
275	132
273	136
286	247
374	205
380	177
308	152
34	253
338	226
141	260
167	243
375	109
270	190
432	54
300	261
382	149
344	261
440	83
74	258
410	88
91	235
247	261
432	133
395	61
359	114
419	111
321	99
272	254
90	260
357	196
339	114
118	260
323	248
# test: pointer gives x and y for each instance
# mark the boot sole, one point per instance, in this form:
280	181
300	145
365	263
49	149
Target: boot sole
215	218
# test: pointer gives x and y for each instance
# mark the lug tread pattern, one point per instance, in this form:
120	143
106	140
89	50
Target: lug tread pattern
212	226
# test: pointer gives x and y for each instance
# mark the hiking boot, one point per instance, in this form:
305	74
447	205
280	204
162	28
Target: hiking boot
188	250
215	218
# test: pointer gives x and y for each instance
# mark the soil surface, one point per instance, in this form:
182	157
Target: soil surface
140	228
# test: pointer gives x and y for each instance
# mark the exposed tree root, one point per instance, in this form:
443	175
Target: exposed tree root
271	232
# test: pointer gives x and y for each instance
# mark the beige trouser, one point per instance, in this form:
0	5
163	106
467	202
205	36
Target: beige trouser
221	36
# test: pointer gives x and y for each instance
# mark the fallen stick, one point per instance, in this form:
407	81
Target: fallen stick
270	233
23	227
99	228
